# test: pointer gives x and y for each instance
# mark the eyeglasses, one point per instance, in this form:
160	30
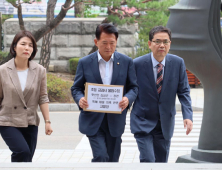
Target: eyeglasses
158	42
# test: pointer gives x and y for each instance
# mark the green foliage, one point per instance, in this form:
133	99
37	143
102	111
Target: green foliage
58	90
73	62
5	17
152	13
158	14
116	5
115	19
88	12
24	1
3	55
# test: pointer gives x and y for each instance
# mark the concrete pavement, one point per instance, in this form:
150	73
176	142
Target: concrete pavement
65	132
109	166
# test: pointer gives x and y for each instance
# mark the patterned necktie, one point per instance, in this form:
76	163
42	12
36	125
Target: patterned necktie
159	80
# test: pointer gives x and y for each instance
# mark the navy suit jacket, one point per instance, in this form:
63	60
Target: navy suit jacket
149	106
123	74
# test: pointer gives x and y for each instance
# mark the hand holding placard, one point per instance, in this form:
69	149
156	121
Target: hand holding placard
104	98
83	103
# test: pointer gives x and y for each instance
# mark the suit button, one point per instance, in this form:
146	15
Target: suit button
25	107
15	107
159	102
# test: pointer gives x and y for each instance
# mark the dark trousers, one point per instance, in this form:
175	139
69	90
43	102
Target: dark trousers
152	146
21	141
105	148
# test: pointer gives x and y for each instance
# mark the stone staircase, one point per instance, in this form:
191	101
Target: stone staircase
179	142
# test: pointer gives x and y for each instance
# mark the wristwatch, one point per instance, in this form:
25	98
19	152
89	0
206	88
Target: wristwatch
47	121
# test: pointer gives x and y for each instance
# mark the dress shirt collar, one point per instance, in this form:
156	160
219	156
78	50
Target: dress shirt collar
155	62
100	57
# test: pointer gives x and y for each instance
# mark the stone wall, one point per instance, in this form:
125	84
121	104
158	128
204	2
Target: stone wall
73	38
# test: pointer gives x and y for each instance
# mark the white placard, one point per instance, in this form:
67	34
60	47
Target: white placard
103	98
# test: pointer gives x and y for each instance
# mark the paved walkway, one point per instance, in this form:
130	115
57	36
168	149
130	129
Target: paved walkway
67	145
113	166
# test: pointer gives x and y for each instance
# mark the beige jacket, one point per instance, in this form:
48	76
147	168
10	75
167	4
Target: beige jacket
17	108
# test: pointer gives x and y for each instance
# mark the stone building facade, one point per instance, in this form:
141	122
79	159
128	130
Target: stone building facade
74	37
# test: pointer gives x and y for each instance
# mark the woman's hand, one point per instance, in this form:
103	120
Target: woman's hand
48	129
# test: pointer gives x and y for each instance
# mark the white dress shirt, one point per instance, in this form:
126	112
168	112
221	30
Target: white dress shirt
23	78
105	69
155	68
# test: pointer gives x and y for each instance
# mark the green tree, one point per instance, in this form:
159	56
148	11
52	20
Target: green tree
5	17
147	13
51	23
122	11
157	14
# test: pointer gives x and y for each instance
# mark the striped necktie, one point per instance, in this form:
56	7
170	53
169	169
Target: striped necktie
159	80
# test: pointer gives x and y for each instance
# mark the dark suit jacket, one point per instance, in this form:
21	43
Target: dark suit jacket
149	106
123	74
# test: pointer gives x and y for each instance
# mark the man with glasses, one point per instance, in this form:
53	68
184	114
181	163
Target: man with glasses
109	67
160	76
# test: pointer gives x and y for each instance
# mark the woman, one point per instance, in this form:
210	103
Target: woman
22	88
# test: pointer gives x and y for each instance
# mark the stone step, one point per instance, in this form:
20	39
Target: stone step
174	139
174	135
180	127
181	148
180	141
178	116
172	148
179	113
176	130
179	145
195	119
177	122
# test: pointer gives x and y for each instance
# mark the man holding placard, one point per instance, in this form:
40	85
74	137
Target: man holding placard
108	67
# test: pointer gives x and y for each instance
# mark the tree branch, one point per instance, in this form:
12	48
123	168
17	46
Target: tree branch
123	2
21	22
53	24
127	13
19	3
50	10
115	13
14	4
66	9
47	38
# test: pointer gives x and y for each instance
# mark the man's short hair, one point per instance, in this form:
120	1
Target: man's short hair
158	29
106	28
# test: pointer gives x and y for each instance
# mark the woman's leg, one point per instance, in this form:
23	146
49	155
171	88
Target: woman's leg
16	142
30	134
